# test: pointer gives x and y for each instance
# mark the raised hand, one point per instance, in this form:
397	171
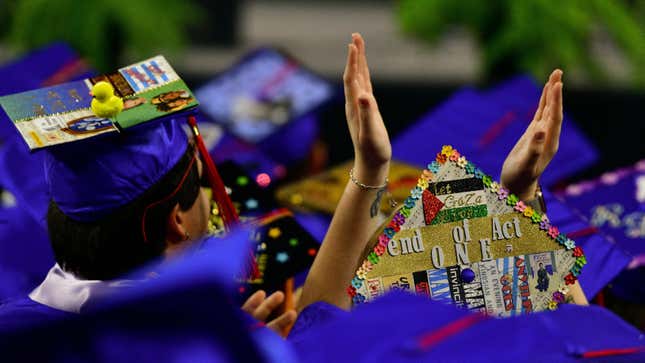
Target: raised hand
260	307
372	147
539	143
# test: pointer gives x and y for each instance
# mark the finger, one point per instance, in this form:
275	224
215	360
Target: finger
350	74
268	305
362	61
554	77
254	301
554	118
283	322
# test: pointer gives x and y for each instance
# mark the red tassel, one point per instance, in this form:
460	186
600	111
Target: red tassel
220	197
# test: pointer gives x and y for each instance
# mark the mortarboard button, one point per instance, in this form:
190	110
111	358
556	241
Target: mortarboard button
467	275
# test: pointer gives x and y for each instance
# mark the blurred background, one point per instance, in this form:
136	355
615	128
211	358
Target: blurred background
420	51
423	55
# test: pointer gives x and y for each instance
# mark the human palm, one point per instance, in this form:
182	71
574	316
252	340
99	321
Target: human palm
539	143
371	142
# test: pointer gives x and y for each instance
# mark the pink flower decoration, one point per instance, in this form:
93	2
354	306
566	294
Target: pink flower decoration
520	206
553	232
502	193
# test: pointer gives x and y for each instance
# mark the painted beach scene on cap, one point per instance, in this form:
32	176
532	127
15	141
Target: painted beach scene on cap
462	238
103	104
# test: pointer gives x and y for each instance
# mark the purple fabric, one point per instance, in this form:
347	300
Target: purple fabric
22	313
313	317
25	252
183	315
292	142
22	174
91	179
252	160
605	259
519	97
392	328
485	127
615	203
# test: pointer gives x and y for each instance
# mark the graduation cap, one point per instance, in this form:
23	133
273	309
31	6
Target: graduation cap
402	327
122	166
184	314
614	204
283	248
460	237
488	125
25	252
49	65
605	259
268	99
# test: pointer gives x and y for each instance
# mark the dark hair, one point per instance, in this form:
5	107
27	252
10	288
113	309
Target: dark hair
114	245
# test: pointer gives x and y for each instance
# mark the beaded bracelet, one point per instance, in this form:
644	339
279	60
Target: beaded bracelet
365	186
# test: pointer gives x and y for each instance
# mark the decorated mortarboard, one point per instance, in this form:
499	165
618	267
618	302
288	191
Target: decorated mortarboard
322	192
269	99
46	66
488	125
67	112
283	248
406	328
614	204
461	237
21	172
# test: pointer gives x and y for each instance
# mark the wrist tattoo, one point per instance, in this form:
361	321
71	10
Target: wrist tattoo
377	202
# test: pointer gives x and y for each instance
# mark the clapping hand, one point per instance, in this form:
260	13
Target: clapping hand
539	143
372	147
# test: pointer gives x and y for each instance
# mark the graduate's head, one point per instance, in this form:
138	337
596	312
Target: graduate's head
121	200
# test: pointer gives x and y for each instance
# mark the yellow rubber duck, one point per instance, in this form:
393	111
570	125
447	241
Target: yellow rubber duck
105	103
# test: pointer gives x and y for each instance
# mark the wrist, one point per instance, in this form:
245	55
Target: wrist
371	175
523	192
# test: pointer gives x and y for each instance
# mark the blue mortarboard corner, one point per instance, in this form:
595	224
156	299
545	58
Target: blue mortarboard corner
401	327
186	313
614	204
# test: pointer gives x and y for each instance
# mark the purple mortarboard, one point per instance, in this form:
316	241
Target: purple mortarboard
605	259
488	125
615	205
407	328
183	314
268	99
91	179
